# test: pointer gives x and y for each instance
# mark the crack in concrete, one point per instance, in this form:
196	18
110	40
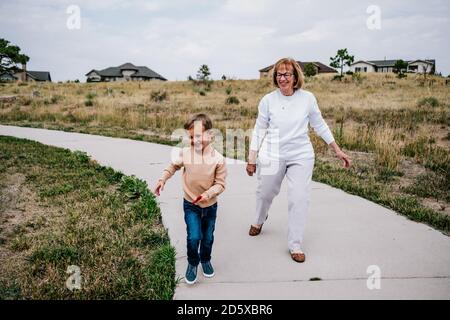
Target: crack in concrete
324	280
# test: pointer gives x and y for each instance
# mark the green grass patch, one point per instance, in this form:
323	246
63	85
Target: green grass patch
90	216
431	185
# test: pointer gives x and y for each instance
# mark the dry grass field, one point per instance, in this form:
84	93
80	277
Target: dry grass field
396	130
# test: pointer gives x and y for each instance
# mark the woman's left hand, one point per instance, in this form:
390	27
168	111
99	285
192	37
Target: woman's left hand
344	157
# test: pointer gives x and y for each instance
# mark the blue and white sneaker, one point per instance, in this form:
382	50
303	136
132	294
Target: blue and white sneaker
208	270
191	274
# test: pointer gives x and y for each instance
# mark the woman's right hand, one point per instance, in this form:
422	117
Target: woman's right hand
251	169
159	187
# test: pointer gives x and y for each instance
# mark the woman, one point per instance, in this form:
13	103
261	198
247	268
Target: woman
281	147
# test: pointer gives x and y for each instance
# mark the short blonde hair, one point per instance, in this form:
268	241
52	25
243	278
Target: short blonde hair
298	74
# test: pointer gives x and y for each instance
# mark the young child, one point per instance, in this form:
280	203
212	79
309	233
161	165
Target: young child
204	176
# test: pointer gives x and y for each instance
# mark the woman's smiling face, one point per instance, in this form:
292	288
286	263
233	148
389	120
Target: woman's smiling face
285	77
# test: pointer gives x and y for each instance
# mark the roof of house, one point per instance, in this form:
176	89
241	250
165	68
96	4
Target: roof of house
141	71
383	63
35	75
389	63
430	61
127	66
322	67
7	75
39	75
362	61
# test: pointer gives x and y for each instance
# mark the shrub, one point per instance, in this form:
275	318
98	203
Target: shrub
416	148
357	77
91	95
89	102
310	70
81	156
25	101
400	68
158	96
428	102
133	187
232	100
55	99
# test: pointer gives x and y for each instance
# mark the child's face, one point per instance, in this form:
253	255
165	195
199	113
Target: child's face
199	137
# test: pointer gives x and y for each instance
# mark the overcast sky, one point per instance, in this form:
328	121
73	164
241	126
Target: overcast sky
233	37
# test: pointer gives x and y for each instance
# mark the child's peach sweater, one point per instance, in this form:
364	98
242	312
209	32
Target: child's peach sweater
203	174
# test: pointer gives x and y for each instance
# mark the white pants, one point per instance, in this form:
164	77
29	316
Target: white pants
299	176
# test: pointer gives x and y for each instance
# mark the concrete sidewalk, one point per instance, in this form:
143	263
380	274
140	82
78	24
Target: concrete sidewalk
345	234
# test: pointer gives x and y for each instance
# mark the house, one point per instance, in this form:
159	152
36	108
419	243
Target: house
422	66
25	75
320	68
7	76
415	66
124	72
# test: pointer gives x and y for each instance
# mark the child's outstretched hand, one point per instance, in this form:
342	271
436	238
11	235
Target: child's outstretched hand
159	187
200	198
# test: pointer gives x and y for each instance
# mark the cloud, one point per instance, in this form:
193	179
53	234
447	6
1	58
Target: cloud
312	35
233	37
249	7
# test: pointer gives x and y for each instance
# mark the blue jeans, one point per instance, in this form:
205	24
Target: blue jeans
200	225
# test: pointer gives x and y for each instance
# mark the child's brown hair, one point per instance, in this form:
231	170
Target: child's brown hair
206	121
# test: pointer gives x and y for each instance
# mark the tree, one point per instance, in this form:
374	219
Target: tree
400	67
10	56
203	73
342	58
310	70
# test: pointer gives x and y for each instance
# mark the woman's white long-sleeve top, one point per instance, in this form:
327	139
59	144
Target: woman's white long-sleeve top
281	129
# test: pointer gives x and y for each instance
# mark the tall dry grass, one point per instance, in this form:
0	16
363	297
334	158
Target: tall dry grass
371	113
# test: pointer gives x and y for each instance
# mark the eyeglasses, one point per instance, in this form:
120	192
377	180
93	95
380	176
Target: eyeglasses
287	75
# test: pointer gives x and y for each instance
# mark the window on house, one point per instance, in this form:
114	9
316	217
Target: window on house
365	69
358	69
